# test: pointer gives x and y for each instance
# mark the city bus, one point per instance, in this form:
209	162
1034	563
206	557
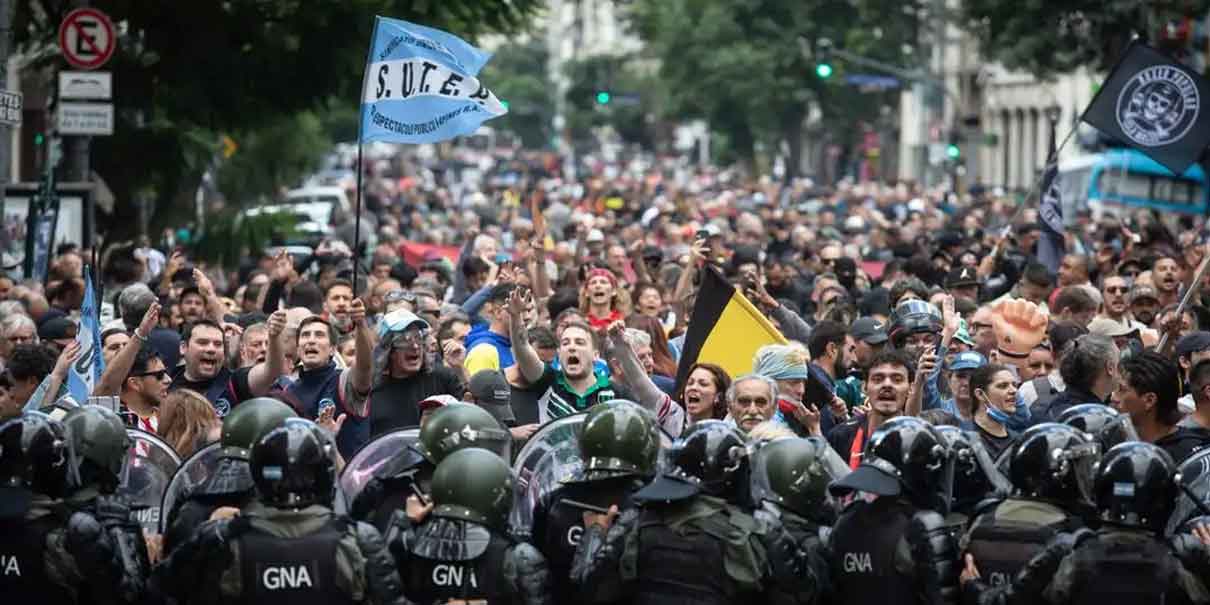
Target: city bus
1120	181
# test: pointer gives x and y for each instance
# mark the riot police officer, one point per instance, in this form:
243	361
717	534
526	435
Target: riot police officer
1051	468
1105	425
459	549
104	543
618	444
286	546
891	544
976	477
1193	501
693	540
229	484
791	478
33	474
1125	561
408	473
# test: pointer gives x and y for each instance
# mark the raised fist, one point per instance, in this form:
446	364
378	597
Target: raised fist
1020	325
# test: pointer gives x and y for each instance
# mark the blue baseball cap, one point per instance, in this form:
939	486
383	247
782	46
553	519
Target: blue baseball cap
968	360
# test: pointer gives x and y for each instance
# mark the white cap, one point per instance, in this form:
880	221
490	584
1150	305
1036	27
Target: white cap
595	236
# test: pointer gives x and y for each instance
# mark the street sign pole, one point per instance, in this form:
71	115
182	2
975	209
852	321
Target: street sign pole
6	137
87	39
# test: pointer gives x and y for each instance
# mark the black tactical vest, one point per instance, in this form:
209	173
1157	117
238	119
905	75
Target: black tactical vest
1003	546
864	540
559	525
682	566
23	576
292	571
479	579
1137	570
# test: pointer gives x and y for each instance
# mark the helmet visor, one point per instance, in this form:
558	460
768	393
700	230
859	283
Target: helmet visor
1118	429
1194	496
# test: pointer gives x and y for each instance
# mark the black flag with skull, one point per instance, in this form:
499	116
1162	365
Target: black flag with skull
1154	104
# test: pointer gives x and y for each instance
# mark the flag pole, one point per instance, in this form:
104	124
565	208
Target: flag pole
361	114
1189	290
1033	190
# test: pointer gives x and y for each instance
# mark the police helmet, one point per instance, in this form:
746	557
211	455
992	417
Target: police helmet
462	425
1054	461
99	442
794	473
473	484
618	438
975	474
1135	485
248	422
711	457
294	466
908	456
914	317
1103	424
33	459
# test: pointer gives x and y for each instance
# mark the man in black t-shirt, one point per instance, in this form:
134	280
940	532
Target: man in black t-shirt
1148	392
203	347
402	374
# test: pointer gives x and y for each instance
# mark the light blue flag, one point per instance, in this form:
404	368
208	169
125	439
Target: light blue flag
420	85
86	371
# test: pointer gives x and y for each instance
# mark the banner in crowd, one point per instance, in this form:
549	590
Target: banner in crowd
420	85
1052	245
86	371
1153	104
725	328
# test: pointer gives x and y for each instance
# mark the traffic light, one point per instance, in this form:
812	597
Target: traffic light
823	59
823	70
952	151
39	139
603	97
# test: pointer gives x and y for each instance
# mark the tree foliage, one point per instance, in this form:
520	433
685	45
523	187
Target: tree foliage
517	74
1050	37
633	96
185	72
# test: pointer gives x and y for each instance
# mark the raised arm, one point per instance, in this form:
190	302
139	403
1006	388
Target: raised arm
58	375
541	280
119	367
684	285
363	339
528	362
263	374
635	377
214	307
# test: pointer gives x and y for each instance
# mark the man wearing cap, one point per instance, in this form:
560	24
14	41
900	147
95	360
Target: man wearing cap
57	333
1191	349
960	369
489	390
487	344
1121	333
963	282
1144	304
868	336
402	375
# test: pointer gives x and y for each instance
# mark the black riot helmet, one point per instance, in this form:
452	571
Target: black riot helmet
98	441
711	457
914	317
794	473
248	422
1104	424
1135	486
462	425
294	466
33	460
618	438
976	477
1054	461
905	456
1193	500
473	484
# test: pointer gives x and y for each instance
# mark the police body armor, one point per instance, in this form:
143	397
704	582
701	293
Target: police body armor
448	560
24	577
1002	544
864	545
1124	568
291	571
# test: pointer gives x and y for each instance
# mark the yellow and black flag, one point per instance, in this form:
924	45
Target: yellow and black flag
725	329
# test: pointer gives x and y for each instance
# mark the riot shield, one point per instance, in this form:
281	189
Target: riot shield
550	457
150	465
368	461
192	473
975	475
1194	497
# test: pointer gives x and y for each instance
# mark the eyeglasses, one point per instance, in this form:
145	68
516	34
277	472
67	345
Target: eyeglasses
399	295
158	374
411	338
1117	290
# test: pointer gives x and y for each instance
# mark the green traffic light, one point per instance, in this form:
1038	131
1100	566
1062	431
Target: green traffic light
823	70
39	138
953	152
603	97
504	103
